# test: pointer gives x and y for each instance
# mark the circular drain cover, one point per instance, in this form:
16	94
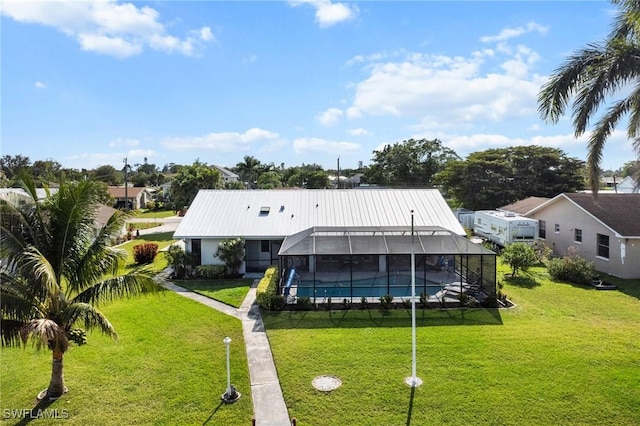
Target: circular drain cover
326	383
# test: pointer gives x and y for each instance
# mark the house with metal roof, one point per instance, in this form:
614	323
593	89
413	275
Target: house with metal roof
338	240
605	230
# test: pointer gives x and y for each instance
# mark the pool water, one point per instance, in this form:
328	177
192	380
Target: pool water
372	287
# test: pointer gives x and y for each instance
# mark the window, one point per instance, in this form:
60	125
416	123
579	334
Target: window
557	229
542	229
264	246
603	246
577	235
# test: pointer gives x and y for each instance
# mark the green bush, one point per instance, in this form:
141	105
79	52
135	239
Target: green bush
145	253
386	301
266	293
231	252
182	262
572	268
304	303
519	256
211	271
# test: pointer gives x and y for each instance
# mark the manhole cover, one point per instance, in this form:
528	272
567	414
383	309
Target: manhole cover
326	383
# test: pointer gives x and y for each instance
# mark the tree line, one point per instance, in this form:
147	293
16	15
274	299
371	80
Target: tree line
484	180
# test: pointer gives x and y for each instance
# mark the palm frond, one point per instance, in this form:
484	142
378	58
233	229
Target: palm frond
44	332
602	131
10	332
133	284
90	317
100	258
565	82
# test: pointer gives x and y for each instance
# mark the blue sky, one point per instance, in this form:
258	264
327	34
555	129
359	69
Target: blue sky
90	83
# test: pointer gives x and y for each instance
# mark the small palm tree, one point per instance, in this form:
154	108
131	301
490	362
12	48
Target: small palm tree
593	74
57	266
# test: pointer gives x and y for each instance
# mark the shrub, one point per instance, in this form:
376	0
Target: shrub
304	303
424	299
180	261
145	253
519	256
231	252
386	301
211	271
266	294
571	268
363	302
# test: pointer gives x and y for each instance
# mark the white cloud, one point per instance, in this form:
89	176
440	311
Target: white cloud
302	145
114	46
330	117
107	27
509	33
225	141
359	132
39	85
206	34
328	13
123	142
447	91
115	159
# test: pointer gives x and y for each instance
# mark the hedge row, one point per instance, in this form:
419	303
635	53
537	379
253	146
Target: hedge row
266	293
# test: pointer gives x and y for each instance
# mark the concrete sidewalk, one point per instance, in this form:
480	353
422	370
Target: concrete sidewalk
269	408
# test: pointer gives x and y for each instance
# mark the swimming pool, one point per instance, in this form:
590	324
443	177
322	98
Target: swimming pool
398	286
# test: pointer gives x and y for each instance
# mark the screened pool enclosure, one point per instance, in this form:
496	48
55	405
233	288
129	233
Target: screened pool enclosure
355	262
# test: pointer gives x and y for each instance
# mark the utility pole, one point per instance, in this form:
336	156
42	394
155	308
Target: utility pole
126	186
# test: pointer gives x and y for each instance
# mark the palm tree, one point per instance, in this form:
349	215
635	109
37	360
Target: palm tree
57	267
590	77
248	170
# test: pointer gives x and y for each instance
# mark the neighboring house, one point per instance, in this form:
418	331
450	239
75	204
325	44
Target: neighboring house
605	230
226	175
343	235
138	196
523	207
628	186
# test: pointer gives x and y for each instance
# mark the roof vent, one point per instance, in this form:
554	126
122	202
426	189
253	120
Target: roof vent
281	208
264	211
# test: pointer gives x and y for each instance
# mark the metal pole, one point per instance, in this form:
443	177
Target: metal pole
226	341
413	381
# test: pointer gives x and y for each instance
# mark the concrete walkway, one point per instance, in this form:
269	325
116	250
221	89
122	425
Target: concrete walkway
269	408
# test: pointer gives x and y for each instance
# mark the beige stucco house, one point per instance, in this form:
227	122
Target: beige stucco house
605	230
138	196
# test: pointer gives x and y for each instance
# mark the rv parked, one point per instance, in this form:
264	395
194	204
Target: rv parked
502	228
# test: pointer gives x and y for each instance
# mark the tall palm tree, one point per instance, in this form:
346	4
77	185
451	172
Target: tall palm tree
249	169
590	77
56	268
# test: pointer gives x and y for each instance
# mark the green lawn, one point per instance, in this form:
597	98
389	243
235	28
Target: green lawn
142	225
564	355
143	214
168	368
163	239
231	292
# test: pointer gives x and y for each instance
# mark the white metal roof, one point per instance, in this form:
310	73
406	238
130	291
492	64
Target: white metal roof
243	213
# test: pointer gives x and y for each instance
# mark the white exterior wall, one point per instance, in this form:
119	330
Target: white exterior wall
209	248
624	254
